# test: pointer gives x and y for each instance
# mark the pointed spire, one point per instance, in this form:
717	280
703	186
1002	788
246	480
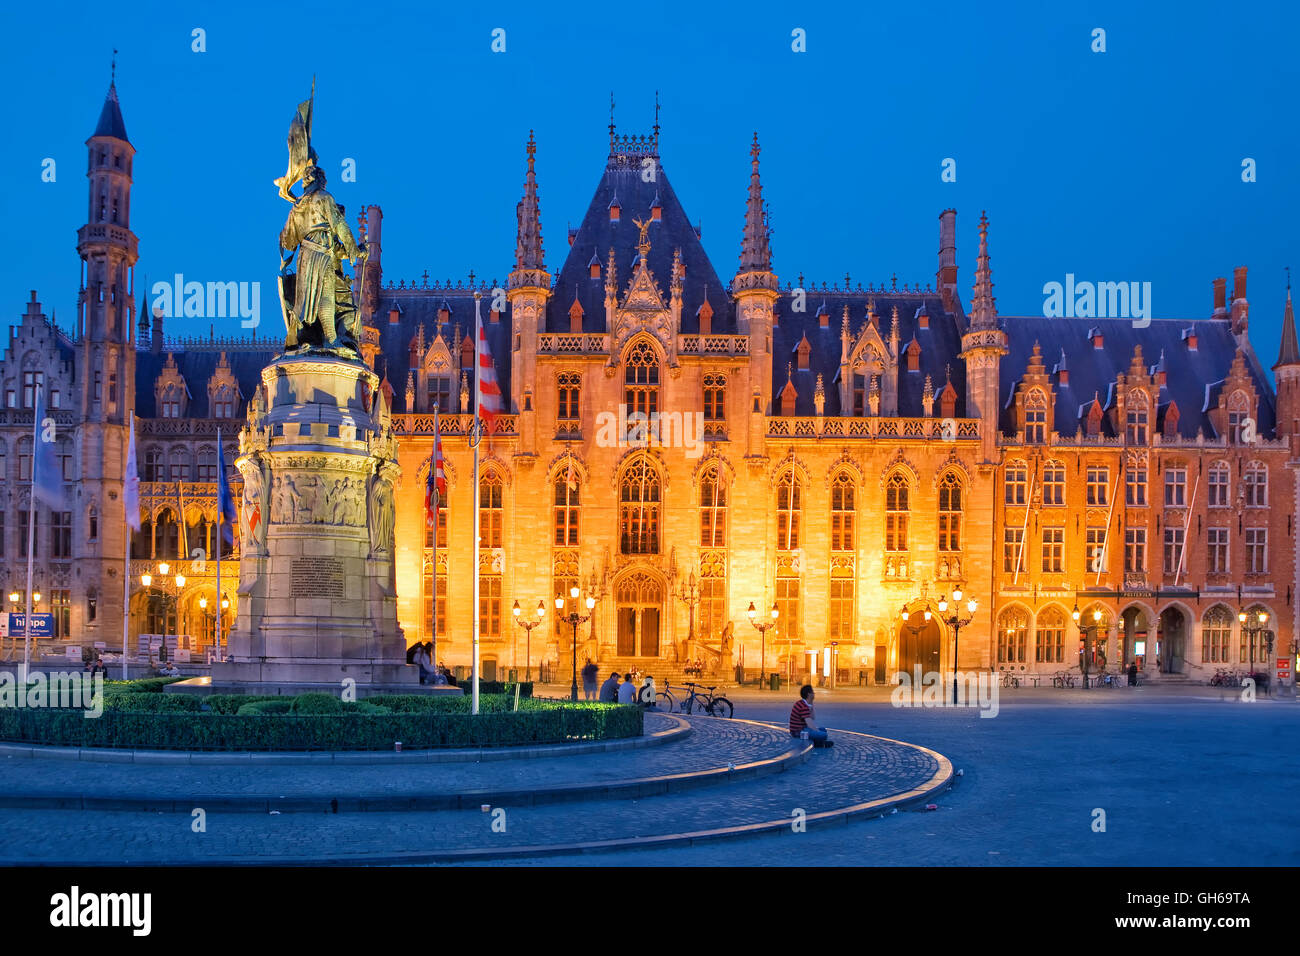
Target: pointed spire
755	253
984	313
1289	353
528	242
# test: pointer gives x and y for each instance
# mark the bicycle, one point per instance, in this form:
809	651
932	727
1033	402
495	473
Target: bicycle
1063	679
664	699
712	704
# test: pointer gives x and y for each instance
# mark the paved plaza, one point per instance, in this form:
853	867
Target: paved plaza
1184	777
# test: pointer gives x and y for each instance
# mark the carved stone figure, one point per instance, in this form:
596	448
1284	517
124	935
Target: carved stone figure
255	514
728	639
382	515
294	502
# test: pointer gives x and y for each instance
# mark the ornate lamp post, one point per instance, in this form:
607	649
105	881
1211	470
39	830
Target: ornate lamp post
688	592
574	618
163	570
762	629
1248	626
528	628
1086	638
956	622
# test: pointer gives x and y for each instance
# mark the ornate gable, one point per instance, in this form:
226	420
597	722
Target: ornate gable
222	389
643	309
170	387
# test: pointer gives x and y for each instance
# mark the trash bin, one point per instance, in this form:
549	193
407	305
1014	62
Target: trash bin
774	681
460	673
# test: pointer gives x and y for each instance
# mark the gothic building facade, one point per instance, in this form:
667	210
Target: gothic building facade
682	447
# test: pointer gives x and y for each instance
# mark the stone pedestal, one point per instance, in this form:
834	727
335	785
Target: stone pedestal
317	595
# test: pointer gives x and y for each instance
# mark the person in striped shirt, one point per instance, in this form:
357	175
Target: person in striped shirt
804	720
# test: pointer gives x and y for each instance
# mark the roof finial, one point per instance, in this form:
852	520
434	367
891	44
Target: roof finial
656	120
611	121
113	67
532	148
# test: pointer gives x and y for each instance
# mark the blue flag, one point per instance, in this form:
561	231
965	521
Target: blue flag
225	503
131	484
47	476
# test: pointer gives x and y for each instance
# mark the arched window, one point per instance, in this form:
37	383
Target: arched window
1256	485
789	494
1238	412
639	498
1219	485
223	404
1216	635
92	523
569	393
167	537
1013	628
713	509
1137	418
1050	647
1036	417
1054	484
566	508
207	465
491	494
641	379
842	512
715	392
950	513
896	513
171	402
1016	482
179	464
155	468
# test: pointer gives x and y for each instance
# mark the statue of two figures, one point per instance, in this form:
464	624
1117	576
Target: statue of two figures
320	315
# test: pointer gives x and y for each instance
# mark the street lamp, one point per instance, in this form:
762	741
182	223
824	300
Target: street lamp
688	592
528	627
956	622
762	629
574	618
1251	633
1085	657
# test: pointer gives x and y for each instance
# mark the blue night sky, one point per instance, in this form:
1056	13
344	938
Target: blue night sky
1124	165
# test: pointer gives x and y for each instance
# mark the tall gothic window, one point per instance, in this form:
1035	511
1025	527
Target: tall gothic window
569	386
1054	484
566	509
1013	630
438	392
841	609
713	509
715	406
1216	635
641	379
639	500
789	493
491	509
842	513
1016	482
207	465
950	513
1137	418
155	468
1036	417
1050	646
896	513
713	593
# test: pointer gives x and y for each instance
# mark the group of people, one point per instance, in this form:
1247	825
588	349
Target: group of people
421	655
694	668
619	691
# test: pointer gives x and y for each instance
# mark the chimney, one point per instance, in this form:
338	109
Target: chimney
947	275
156	342
1220	298
1189	336
1097	338
1240	307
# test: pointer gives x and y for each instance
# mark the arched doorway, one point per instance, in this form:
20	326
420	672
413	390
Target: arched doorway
639	598
1173	640
1134	640
918	647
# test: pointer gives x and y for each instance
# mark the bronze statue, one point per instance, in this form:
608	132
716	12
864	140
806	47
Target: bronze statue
316	298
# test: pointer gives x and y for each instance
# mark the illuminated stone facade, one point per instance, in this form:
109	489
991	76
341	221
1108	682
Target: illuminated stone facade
841	452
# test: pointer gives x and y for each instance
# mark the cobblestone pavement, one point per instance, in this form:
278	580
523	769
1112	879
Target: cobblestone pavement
712	744
1185	779
856	770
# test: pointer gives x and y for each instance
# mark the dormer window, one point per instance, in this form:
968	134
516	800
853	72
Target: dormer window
1036	418
1137	420
224	404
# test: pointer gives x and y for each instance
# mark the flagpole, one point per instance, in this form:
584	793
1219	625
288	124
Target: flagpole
126	546
433	583
31	532
1105	538
220	539
1024	529
474	442
1187	526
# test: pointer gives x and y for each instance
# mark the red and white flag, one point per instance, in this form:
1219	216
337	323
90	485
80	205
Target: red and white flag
488	399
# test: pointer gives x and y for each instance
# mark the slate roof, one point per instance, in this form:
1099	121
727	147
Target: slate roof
1192	377
110	117
197	366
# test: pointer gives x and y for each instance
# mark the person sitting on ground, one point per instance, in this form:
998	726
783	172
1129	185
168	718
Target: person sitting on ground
446	675
627	690
804	720
609	689
422	661
646	696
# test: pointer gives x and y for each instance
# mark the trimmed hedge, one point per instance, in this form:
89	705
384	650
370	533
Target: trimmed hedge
263	724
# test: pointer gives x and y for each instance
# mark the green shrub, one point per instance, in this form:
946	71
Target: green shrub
316	703
365	707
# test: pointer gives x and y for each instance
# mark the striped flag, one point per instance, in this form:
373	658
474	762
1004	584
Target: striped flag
488	399
131	483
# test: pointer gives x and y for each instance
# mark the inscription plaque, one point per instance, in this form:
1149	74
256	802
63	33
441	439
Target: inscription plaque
317	576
